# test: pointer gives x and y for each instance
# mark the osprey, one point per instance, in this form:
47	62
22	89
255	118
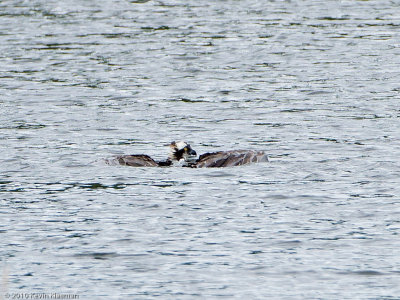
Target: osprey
181	154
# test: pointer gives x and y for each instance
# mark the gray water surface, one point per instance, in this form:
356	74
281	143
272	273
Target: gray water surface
313	83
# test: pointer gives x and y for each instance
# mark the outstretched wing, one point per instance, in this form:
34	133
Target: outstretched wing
230	158
140	160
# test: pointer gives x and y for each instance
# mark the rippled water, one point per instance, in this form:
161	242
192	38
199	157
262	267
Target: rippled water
313	83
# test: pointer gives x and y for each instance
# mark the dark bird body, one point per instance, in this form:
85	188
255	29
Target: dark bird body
181	153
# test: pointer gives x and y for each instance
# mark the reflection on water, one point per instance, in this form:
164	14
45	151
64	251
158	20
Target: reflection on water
314	85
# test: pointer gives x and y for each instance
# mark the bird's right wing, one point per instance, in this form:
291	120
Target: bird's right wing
230	158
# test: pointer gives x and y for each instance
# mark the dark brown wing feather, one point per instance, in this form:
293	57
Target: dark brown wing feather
230	158
140	160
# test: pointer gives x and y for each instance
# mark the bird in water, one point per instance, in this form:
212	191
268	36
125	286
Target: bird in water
182	154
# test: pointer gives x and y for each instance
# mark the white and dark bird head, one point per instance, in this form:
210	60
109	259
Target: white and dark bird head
181	152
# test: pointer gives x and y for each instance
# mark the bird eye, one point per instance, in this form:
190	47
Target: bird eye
185	149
